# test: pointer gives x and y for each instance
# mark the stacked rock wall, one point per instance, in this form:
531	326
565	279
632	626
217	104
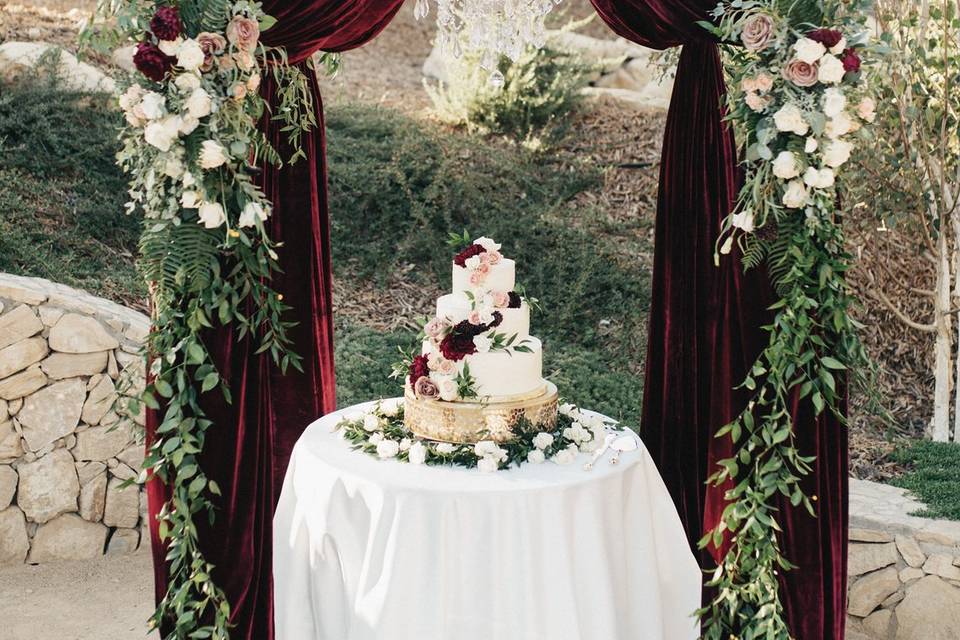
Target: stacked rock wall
67	440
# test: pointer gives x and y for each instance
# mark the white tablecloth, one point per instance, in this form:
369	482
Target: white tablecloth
366	549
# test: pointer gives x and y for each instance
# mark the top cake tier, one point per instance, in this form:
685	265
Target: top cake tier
500	277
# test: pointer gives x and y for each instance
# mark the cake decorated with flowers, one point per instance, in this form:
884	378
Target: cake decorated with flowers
478	371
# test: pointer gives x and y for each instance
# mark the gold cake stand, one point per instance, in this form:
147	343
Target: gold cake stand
466	422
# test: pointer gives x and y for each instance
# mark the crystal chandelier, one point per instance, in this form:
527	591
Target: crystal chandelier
491	28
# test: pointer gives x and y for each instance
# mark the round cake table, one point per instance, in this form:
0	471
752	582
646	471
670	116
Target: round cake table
366	549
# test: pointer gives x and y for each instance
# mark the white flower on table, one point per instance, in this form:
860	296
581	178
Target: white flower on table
565	456
786	166
390	409
543	440
417	453
371	422
445	448
536	456
388	449
375	438
405	444
570	411
808	50
488	464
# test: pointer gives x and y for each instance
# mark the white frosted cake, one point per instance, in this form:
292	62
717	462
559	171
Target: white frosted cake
478	358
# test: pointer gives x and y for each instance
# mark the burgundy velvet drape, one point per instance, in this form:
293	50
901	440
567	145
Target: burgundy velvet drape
706	327
247	450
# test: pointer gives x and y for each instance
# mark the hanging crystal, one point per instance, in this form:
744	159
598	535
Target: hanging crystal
490	28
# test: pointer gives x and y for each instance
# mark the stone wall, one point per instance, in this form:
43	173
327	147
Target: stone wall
67	440
904	571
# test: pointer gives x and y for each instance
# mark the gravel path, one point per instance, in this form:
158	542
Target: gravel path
109	598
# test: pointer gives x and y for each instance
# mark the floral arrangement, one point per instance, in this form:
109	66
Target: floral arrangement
380	432
799	102
191	147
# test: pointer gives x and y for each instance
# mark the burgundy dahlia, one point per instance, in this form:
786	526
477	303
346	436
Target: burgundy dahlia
418	369
497	320
459	342
473	250
152	62
827	37
166	24
515	300
851	61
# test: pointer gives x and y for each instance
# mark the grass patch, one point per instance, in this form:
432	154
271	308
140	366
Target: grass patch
932	476
61	195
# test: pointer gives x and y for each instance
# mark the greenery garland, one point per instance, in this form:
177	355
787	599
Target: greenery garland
191	146
795	67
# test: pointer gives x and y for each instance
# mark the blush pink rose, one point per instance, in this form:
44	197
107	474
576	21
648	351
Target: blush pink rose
494	257
475	318
425	388
484	268
435	328
477	278
801	73
501	299
212	44
757	32
446	367
243	32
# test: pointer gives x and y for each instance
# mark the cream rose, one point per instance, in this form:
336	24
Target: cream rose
199	104
417	454
388	449
170	47
488	465
743	221
834	102
789	118
211	215
840	125
190	200
212	154
836	153
786	166
190	56
867	109
487	243
187	124
187	82
153	106
130	97
819	179
830	70
795	196
756	102
543	440
536	457
764	82
482	343
808	50
162	133
449	391
252	211
810	145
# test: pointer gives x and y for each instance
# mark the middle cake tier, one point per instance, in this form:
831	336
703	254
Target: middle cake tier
456	307
503	376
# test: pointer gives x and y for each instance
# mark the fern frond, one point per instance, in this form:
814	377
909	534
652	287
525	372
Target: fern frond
178	257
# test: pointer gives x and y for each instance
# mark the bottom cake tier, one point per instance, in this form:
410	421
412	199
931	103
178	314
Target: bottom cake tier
466	422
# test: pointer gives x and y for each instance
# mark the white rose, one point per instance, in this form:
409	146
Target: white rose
472	262
371	422
132	96
187	82
171	47
819	179
834	102
387	449
831	70
162	133
390	409
840	125
743	220
564	456
187	124
810	145
173	167
488	465
153	105
211	215
482	343
375	438
795	197
785	165
569	410
212	154
445	448
808	50
789	118
536	456
836	152
867	109
405	444
543	440
199	103
486	448
252	211
190	56
449	391
190	200
487	243
838	48
417	453
188	179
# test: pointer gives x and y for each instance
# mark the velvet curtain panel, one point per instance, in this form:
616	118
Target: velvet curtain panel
247	449
706	327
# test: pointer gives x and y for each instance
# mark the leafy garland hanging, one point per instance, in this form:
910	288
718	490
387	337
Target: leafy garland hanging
191	146
797	100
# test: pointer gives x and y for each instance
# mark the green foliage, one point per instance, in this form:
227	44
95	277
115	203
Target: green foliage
540	91
932	476
61	195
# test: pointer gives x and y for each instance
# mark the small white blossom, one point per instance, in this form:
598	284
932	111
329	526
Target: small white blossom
838	48
190	56
819	179
840	125
472	262
831	70
388	449
445	448
808	50
173	167
212	215
371	422
405	444
488	465
449	390
786	166
212	154
417	453
190	200
390	409
867	109
570	411
810	145
375	438
795	197
543	440
565	456
187	124
536	456
252	211
743	221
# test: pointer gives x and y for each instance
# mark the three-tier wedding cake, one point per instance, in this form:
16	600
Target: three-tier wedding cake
479	371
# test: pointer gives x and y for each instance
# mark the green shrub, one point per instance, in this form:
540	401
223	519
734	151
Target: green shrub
932	476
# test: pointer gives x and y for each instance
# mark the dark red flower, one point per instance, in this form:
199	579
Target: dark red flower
497	320
418	369
473	250
152	62
456	346
851	61
166	24
826	37
515	300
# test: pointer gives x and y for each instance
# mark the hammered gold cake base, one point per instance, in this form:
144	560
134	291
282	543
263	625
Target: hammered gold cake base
467	422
